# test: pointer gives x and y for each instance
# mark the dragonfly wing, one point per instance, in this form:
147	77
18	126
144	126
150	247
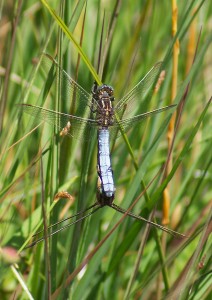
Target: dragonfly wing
126	124
138	96
73	126
80	100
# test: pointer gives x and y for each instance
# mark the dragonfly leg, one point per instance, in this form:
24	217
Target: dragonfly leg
129	213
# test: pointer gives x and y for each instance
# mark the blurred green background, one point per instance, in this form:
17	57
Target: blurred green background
122	40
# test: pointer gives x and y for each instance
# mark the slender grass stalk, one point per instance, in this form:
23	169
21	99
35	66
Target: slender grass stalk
71	37
9	63
47	255
22	283
170	135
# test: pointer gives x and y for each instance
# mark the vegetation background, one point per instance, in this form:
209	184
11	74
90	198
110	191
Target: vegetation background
104	256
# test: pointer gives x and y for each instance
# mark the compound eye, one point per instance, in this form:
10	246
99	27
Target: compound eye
101	89
110	90
107	90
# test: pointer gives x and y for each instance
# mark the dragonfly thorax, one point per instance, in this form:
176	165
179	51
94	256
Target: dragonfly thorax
104	112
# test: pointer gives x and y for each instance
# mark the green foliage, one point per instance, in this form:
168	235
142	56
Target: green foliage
104	256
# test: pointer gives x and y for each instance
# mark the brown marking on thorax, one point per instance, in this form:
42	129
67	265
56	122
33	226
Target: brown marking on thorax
105	112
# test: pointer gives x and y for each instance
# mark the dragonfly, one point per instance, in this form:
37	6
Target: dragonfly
98	111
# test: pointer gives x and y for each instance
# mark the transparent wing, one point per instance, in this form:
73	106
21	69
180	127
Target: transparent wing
76	124
81	102
77	127
126	124
138	97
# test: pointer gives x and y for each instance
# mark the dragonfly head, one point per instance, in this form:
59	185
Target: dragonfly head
105	91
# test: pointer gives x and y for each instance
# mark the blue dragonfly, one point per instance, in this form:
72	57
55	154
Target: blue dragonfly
99	112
